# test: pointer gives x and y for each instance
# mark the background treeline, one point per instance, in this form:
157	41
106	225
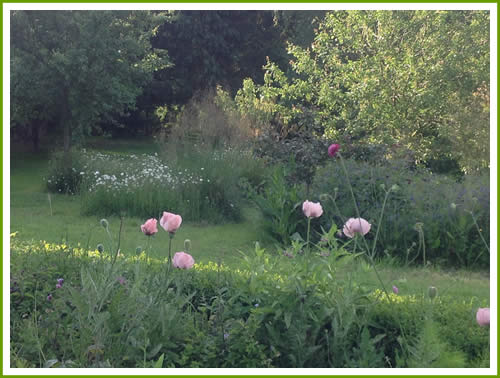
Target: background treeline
76	73
415	83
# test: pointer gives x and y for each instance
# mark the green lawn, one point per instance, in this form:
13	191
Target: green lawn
34	218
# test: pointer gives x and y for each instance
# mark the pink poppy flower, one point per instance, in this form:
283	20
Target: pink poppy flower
183	260
483	316
170	222
150	228
356	225
312	209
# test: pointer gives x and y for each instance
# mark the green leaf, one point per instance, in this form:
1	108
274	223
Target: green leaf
153	352
50	363
288	319
159	364
436	243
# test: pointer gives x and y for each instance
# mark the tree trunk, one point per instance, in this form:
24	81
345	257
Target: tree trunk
66	124
66	136
35	135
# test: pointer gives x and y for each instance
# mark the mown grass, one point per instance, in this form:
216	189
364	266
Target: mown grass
35	218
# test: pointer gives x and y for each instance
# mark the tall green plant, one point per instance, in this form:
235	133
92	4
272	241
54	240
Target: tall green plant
280	203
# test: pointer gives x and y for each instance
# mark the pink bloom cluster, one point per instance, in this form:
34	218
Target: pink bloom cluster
59	283
169	222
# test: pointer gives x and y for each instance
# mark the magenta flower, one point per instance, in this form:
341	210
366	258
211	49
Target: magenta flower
312	209
59	283
333	149
182	260
170	222
49	297
395	289
121	280
356	226
149	228
483	316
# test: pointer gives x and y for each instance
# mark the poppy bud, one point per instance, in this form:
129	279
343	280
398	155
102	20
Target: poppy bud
432	291
104	223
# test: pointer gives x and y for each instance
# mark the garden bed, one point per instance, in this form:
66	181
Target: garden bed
270	312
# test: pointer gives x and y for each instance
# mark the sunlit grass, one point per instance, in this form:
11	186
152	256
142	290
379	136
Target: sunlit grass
60	221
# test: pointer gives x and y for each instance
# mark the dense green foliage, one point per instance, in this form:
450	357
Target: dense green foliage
271	312
76	69
280	204
415	79
431	217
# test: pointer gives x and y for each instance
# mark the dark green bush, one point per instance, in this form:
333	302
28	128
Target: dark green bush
458	327
65	172
306	151
453	325
439	203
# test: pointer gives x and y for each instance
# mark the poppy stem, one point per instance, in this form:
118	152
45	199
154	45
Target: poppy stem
308	232
147	250
369	254
171	234
380	222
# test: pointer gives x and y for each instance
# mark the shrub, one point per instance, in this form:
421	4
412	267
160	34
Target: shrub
302	152
446	325
280	204
438	205
208	122
65	172
457	325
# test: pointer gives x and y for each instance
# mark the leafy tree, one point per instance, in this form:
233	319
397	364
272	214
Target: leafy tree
223	47
77	68
210	48
388	77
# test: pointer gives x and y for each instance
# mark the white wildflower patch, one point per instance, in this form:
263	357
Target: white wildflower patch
129	173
